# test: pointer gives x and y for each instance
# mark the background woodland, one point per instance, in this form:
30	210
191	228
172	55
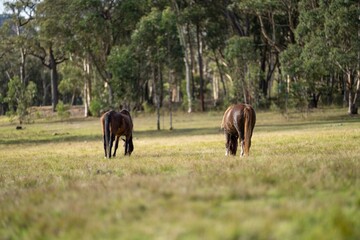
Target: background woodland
180	54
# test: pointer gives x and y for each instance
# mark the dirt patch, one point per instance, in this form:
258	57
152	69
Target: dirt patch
46	111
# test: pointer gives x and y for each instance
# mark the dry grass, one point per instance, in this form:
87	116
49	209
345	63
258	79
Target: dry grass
300	182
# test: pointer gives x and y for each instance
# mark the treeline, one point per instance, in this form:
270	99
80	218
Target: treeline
190	54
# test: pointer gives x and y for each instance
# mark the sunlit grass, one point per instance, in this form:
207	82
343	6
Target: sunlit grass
300	182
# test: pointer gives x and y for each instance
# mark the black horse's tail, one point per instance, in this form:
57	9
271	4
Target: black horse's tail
107	135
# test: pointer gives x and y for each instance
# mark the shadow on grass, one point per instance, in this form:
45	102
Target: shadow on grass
52	139
337	121
177	132
68	137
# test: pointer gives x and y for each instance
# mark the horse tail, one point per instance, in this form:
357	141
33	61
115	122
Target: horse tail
107	135
249	124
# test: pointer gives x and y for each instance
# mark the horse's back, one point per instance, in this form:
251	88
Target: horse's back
232	115
233	118
128	118
123	121
127	113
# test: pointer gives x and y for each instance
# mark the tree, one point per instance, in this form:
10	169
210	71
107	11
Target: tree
72	81
19	97
22	13
326	42
240	54
182	32
342	34
49	46
101	25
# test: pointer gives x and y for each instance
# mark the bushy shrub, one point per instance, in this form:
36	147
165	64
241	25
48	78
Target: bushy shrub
96	107
63	110
20	97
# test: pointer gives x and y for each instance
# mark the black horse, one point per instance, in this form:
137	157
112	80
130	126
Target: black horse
116	124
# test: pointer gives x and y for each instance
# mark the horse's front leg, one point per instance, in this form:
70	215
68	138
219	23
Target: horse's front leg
129	146
116	145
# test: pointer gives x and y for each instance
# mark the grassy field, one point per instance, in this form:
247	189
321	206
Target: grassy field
302	180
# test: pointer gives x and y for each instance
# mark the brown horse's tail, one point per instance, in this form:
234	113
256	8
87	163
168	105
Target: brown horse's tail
249	119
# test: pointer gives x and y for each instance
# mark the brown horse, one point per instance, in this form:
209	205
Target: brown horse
116	124
238	123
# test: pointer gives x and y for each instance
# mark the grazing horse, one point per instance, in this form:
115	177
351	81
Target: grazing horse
238	123
116	124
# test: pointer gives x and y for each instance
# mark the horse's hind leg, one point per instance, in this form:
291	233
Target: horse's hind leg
227	143
111	143
105	145
242	145
242	142
130	146
116	145
126	145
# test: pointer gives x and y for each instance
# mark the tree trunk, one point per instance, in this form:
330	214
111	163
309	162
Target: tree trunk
156	96
191	61
188	78
220	73
54	80
201	70
87	89
23	67
357	91
351	101
262	81
46	91
22	56
182	32
244	85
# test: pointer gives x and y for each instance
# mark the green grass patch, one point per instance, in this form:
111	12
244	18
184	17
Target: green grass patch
301	181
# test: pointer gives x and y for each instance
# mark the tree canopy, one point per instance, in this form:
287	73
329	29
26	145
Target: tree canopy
194	55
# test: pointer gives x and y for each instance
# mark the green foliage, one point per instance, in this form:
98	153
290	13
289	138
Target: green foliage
241	48
20	97
124	67
127	44
148	108
97	106
325	34
72	79
63	110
